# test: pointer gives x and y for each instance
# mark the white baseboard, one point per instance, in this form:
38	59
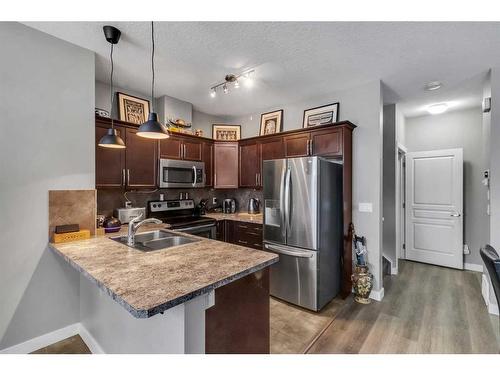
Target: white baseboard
43	341
92	344
493	309
377	295
53	337
473	267
394	270
485	291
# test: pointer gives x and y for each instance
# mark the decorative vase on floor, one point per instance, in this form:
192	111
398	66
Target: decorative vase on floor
362	281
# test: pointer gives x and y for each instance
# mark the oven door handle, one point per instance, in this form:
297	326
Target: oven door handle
195	176
195	227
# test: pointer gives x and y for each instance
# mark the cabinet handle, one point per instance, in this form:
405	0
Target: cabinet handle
123	177
183	151
307	151
128	177
311	147
256	180
240	241
260	179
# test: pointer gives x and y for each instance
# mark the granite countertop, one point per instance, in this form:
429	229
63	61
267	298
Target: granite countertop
239	216
148	283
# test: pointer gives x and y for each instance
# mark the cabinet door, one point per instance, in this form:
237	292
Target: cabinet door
208	159
326	142
249	164
192	150
109	162
226	165
171	148
272	148
220	230
297	145
141	161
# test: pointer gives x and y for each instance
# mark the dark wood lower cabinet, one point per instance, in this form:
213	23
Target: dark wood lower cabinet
240	233
239	321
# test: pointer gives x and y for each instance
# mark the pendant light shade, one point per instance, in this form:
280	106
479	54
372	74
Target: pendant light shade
152	128
111	139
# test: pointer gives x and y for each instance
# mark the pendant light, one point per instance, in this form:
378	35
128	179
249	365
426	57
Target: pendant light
112	139
152	128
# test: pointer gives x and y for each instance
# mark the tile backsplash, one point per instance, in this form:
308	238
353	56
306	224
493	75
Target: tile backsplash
109	199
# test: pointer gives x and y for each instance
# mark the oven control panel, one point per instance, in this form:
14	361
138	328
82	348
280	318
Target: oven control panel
171	205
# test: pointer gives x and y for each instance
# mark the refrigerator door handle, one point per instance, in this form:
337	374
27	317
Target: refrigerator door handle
287	200
282	203
286	251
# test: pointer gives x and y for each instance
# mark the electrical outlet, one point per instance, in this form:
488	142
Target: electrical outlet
466	249
214	200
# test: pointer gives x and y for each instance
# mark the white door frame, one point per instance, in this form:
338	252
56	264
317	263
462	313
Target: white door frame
400	201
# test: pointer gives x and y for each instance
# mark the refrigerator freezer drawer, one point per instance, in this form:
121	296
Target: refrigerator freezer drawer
294	277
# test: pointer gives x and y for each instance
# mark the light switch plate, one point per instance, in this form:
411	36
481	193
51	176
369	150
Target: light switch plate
365	207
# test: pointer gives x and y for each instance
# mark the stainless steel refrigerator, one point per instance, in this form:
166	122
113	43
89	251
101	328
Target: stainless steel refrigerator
303	223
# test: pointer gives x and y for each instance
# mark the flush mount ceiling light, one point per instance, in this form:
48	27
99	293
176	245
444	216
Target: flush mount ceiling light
111	139
432	86
436	109
232	80
152	128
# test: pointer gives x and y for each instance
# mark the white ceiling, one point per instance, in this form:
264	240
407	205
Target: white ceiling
292	61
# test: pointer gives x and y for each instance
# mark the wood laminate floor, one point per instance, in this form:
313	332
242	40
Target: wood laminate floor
426	309
71	345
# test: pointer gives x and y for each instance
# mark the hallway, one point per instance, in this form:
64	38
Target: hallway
426	309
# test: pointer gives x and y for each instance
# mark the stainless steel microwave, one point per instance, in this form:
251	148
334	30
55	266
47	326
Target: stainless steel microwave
181	174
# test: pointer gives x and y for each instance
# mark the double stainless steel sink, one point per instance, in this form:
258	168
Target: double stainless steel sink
156	240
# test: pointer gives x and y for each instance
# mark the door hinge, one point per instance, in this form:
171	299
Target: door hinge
404	205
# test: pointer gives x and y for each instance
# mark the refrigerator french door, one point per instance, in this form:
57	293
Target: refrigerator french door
303	224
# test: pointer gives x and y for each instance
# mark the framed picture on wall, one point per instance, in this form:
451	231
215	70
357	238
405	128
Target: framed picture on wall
271	122
224	132
133	109
323	115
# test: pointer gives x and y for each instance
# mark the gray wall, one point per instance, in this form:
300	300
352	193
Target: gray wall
205	121
167	107
458	129
389	185
47	142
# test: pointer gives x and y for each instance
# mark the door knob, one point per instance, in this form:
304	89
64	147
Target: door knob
456	214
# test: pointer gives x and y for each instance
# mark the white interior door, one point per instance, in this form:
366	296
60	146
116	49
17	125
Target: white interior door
434	200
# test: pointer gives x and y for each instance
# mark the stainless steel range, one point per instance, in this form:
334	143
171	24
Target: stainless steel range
182	217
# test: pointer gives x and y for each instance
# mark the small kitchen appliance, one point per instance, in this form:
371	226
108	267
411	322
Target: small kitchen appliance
127	214
229	206
253	206
181	173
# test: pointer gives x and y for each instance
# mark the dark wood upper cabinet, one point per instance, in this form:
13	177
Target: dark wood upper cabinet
297	145
208	159
272	148
109	162
181	148
226	165
326	142
249	158
141	157
192	149
171	148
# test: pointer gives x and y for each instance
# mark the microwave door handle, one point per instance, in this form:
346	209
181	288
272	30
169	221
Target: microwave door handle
282	202
195	177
